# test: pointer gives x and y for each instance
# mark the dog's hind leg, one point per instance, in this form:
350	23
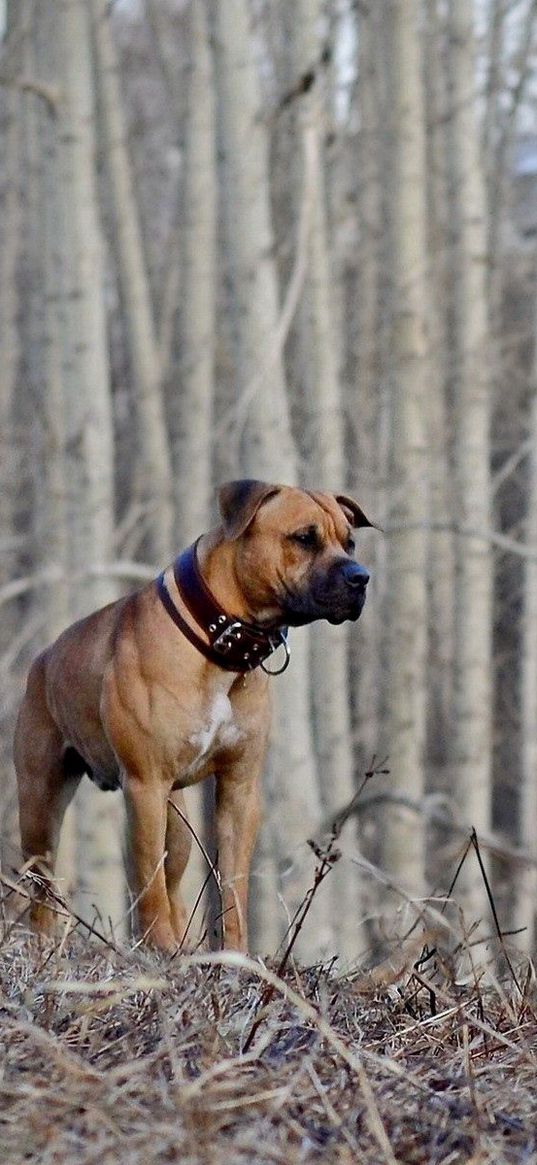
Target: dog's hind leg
45	785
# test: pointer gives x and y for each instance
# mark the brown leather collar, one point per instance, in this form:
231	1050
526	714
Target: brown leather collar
233	644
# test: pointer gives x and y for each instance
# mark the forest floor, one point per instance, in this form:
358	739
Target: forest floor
111	1055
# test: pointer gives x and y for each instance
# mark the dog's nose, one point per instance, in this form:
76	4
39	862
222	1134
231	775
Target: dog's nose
355	575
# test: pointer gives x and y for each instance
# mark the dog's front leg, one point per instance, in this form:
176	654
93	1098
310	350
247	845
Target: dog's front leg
146	800
237	823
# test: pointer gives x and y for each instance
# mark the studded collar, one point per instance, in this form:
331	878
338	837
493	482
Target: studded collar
233	644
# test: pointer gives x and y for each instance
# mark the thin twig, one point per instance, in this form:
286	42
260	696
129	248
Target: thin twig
326	859
492	904
212	867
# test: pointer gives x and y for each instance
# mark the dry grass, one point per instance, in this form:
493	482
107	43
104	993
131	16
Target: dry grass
111	1055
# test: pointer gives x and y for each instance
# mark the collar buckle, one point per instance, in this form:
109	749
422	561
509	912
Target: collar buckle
228	638
234	645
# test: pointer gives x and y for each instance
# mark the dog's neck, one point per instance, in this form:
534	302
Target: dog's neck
217	565
228	637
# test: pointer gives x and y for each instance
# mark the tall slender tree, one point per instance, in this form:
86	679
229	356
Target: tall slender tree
87	448
403	842
193	389
45	228
441	555
526	881
267	449
9	308
319	345
153	475
192	396
472	729
367	398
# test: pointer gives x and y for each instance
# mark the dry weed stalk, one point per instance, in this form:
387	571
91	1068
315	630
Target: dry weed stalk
327	855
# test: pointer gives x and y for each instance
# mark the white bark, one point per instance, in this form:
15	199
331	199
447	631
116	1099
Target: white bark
319	338
194	393
153	475
526	882
9	307
266	449
89	445
368	400
472	742
46	224
192	407
403	842
261	388
88	439
45	229
441	553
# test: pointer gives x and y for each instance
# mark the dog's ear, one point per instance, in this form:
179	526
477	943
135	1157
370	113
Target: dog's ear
239	502
353	511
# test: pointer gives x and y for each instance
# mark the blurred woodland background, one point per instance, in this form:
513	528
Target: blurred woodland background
291	240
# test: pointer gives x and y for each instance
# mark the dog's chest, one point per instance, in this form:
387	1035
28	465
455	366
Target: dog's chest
218	730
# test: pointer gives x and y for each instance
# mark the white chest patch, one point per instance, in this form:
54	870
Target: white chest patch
220	731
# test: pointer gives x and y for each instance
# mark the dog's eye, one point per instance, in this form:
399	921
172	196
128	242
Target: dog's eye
350	545
307	538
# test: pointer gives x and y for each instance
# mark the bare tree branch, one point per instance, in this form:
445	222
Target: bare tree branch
490	537
135	571
50	94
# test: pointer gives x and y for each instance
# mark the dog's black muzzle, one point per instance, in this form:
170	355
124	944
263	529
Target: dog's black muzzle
336	594
355	576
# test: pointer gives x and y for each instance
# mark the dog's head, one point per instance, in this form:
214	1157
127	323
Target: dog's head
294	552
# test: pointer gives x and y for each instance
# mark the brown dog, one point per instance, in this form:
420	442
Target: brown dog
161	688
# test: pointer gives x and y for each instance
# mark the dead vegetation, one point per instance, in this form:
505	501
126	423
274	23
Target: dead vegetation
110	1055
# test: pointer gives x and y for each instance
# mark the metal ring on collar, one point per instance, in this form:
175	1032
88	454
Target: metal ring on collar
283	643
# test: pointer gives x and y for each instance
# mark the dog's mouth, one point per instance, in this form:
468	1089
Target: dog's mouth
335	604
351	614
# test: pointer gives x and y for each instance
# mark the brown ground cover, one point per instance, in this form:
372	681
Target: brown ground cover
109	1055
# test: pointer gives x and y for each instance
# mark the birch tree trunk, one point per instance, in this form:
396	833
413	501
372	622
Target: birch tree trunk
153	476
441	553
472	740
319	339
403	842
192	411
47	230
266	448
15	442
88	439
368	402
192	406
9	308
526	881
